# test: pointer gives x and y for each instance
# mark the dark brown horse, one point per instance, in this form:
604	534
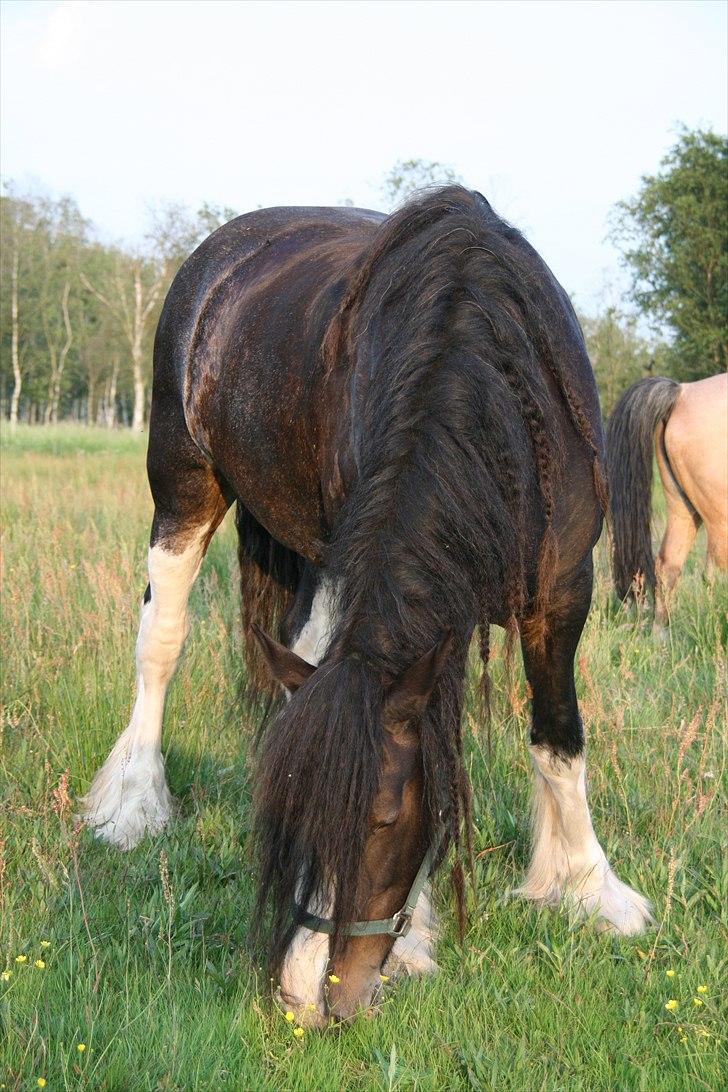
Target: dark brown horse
405	413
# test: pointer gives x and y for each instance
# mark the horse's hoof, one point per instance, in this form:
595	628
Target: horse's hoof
128	798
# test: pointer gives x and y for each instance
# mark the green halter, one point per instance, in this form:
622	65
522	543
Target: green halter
396	926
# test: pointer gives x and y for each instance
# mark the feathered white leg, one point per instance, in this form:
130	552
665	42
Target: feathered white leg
567	861
129	795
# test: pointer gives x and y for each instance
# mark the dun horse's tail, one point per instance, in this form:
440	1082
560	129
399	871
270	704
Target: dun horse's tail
269	575
630	440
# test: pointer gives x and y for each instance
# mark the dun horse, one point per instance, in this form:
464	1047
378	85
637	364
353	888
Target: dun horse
403	410
686	424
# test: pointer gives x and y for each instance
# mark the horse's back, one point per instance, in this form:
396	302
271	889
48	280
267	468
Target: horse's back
238	376
234	260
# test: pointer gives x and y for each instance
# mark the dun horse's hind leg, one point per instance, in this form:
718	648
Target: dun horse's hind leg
129	795
682	527
567	860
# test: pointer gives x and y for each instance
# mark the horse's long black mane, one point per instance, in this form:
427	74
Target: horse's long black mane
457	338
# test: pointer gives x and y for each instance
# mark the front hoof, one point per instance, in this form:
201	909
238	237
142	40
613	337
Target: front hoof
617	907
128	798
129	823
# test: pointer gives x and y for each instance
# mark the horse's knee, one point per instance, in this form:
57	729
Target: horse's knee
667	571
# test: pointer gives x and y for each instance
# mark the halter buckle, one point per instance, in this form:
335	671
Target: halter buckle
401	924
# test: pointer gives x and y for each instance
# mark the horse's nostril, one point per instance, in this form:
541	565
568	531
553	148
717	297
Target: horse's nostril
345	1008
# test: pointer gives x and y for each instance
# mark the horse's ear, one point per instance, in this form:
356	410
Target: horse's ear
408	696
285	666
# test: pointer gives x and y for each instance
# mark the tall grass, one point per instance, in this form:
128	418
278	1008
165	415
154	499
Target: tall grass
147	964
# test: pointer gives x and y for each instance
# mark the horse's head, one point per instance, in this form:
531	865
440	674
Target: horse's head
342	823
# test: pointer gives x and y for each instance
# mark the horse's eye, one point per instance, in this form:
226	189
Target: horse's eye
385	821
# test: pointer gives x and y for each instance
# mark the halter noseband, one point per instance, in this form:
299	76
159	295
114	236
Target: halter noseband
396	926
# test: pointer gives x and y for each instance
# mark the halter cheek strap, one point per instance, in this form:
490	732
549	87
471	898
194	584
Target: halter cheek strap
396	926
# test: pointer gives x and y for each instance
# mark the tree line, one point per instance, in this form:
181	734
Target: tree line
77	316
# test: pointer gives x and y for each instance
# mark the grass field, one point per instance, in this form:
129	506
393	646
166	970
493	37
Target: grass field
152	974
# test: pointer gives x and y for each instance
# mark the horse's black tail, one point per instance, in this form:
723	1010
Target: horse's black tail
269	575
630	440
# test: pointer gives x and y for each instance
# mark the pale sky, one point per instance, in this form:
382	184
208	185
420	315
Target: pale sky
552	110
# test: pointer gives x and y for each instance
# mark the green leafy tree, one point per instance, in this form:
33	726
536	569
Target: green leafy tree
674	235
77	317
619	354
409	175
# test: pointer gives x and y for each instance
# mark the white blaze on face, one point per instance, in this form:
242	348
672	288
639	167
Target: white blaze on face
304	968
567	858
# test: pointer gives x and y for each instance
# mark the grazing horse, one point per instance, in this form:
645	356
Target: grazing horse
404	411
686	424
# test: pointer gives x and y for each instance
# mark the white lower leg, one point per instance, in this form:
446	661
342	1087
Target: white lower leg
311	643
567	860
129	795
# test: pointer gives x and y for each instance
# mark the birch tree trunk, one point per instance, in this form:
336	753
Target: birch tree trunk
14	336
137	421
51	382
111	399
58	373
90	399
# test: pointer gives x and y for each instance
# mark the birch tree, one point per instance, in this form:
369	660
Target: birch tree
131	295
57	354
18	226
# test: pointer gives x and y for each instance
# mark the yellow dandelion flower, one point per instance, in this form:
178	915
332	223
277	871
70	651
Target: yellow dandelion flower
45	944
21	959
6	976
334	978
298	1032
290	1017
697	1001
680	1029
41	1082
670	973
671	1005
384	978
641	954
702	989
684	1039
40	963
81	1047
